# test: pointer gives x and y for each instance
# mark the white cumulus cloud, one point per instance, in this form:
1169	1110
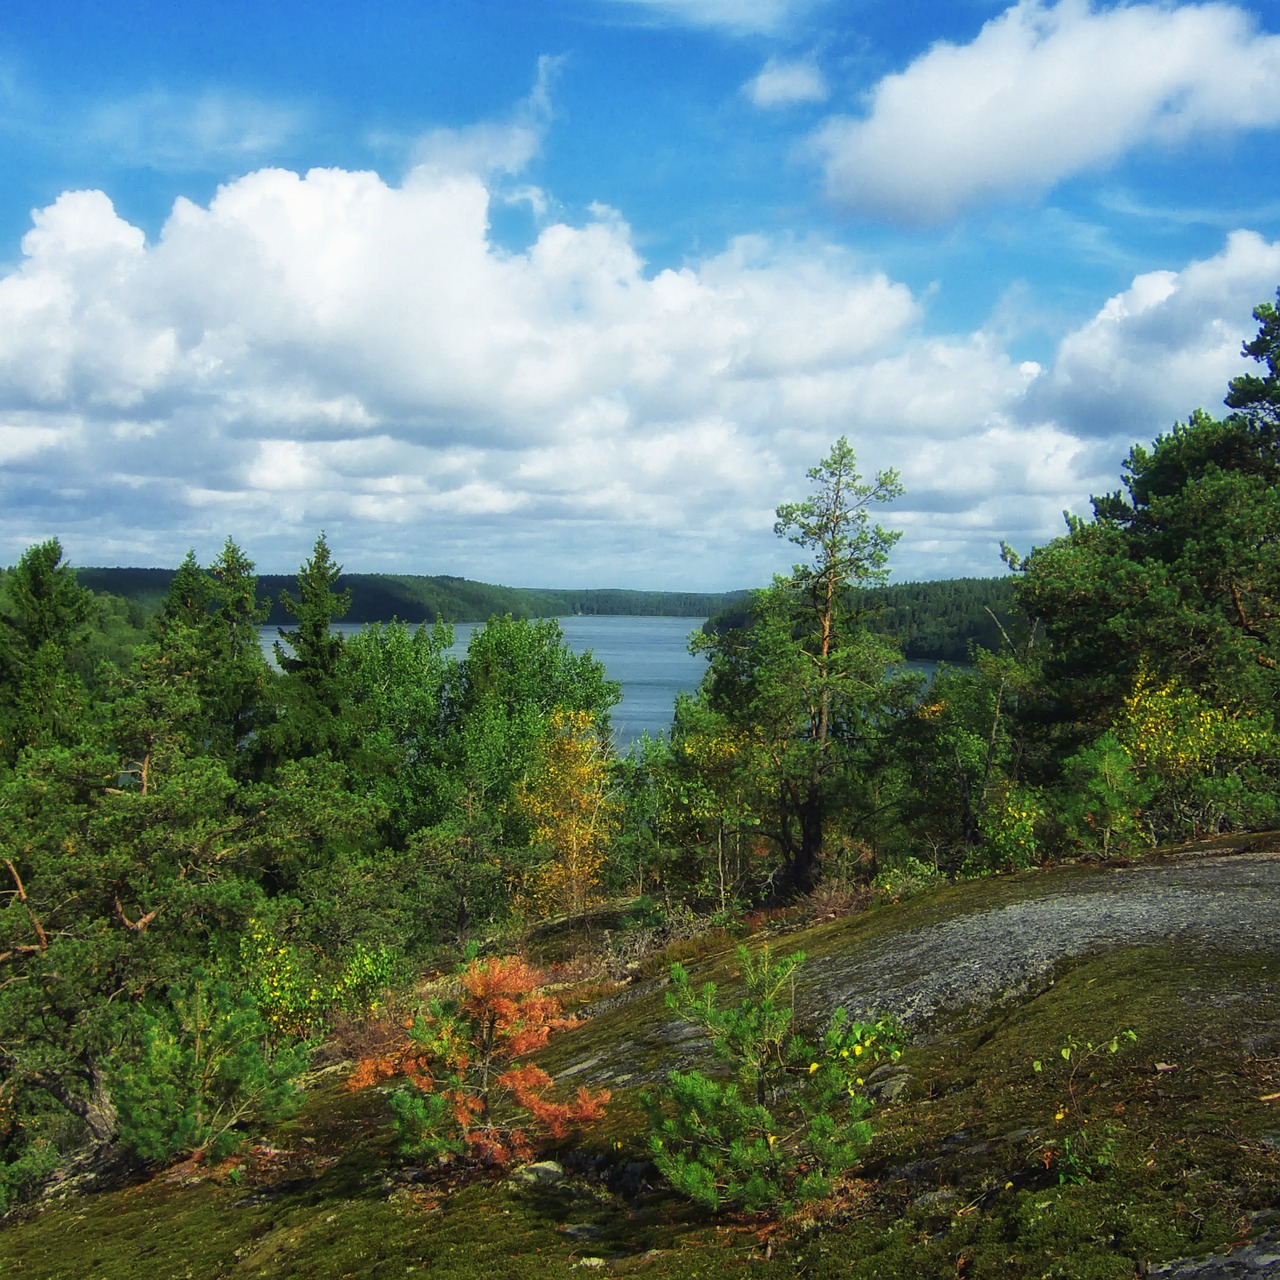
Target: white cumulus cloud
1166	345
327	347
331	350
1042	93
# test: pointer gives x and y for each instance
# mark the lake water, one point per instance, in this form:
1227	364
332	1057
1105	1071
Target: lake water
649	657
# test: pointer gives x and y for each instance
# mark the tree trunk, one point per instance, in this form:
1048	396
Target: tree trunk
96	1109
99	1111
806	869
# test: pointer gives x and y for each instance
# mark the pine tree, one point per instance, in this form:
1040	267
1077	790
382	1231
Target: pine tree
314	691
44	616
806	681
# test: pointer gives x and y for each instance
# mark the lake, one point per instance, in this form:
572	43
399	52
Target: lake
649	657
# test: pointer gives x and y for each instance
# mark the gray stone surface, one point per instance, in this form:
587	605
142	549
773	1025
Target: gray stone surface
986	957
1257	1261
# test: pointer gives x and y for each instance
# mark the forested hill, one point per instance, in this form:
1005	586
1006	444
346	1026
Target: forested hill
936	620
939	619
379	597
930	620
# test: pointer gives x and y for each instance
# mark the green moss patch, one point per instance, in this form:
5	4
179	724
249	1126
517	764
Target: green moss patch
966	1176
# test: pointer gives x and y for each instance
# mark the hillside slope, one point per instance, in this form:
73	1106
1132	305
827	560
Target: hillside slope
379	597
965	1178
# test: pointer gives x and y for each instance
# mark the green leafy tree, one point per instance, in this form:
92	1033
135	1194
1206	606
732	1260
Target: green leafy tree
399	679
1103	798
806	681
115	888
312	649
1175	579
962	748
1179	571
501	702
713	784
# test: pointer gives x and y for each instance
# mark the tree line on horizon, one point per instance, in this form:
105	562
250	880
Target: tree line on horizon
936	620
418	598
207	860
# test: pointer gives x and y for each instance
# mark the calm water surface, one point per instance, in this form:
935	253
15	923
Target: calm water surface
649	657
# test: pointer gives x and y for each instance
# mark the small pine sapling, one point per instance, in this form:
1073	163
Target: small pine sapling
207	1066
794	1117
469	1098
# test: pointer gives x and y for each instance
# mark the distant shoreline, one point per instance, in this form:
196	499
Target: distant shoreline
376	597
930	620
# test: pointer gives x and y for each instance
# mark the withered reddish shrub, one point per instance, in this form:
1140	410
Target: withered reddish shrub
468	1098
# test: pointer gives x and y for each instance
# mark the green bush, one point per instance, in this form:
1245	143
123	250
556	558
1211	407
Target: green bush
792	1120
206	1066
907	878
24	1169
1104	796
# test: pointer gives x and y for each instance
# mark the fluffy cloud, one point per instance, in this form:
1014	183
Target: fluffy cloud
1165	346
328	348
781	84
331	350
1042	93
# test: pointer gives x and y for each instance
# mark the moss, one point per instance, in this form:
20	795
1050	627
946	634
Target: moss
961	1180
1188	1167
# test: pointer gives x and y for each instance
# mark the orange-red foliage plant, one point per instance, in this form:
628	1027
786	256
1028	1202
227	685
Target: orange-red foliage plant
470	1097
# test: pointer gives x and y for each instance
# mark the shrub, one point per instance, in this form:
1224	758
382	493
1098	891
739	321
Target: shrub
1206	768
1010	821
206	1066
1080	1153
296	998
907	878
469	1098
794	1117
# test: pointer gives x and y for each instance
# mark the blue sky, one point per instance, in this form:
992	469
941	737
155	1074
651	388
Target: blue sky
572	293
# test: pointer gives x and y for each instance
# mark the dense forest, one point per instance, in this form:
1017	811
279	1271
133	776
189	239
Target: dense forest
210	862
939	621
382	597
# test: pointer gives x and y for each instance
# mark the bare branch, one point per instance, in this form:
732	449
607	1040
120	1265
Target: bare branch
134	926
1000	624
22	897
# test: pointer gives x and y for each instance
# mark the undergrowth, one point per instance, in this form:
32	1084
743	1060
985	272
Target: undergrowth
956	1182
